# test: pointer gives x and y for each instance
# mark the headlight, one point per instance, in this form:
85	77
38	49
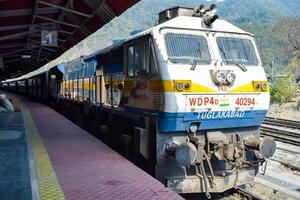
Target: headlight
220	78
264	87
193	128
187	86
230	77
179	86
257	86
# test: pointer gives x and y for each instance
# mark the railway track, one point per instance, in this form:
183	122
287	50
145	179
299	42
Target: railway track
281	135
288	164
247	195
282	122
283	130
229	194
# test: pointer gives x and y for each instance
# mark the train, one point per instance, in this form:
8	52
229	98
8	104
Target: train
188	95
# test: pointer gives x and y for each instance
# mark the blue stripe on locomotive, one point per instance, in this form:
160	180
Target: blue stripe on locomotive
170	122
180	122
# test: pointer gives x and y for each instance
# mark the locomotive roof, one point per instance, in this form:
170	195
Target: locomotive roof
184	22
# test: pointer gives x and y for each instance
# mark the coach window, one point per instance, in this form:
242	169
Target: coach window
140	60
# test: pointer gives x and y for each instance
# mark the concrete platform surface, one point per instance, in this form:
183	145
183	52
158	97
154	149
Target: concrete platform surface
72	164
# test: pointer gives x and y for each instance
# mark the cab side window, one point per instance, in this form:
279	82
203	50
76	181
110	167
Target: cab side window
140	61
130	62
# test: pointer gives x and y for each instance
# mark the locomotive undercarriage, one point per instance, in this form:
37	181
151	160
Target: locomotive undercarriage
204	161
210	161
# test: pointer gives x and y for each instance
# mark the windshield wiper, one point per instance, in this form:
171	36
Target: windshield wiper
197	54
237	63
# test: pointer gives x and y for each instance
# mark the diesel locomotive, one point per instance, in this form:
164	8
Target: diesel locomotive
188	94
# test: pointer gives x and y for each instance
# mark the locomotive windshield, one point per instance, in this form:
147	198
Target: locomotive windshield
187	49
235	50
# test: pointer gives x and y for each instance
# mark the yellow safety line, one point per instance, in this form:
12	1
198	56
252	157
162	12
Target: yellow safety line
48	184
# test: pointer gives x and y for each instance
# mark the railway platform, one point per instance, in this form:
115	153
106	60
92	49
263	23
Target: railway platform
45	156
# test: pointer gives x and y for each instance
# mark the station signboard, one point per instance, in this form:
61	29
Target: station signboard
49	38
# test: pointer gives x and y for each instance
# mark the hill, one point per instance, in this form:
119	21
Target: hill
255	16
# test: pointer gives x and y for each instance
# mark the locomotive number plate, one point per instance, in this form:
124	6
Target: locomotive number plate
222	102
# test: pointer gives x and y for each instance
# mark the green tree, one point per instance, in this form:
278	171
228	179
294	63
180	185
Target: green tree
293	68
283	90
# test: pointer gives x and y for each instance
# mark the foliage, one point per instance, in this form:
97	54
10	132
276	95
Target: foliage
283	90
293	67
287	33
267	44
298	86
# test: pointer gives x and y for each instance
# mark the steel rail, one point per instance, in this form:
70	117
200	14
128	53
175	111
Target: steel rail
281	135
247	195
289	165
282	122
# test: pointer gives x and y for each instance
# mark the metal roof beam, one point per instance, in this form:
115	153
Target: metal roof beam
40	52
12	56
72	40
83	29
15	13
60	40
105	12
65	9
65	32
102	10
7	46
16	51
39	45
32	26
98	5
57	21
37	54
53	28
43	48
11	61
48	49
13	36
8	28
34	41
46	10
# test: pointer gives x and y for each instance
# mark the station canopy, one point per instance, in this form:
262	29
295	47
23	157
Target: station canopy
34	32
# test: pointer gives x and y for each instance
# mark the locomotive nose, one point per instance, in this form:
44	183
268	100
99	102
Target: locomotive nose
186	154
